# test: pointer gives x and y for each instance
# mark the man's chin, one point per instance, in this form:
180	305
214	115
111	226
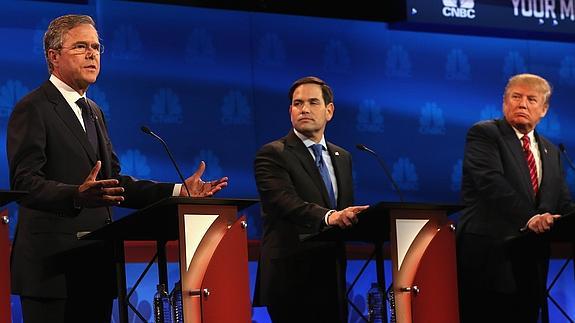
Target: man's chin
90	76
522	126
90	80
304	130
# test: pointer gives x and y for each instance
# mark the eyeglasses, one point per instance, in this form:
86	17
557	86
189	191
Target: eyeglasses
82	48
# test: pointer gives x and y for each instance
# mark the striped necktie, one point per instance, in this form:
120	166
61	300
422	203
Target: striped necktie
531	163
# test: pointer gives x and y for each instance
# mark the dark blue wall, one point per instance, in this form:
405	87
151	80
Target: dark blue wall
214	84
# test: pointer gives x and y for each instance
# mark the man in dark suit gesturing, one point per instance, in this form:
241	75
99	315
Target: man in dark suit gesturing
59	151
305	185
512	181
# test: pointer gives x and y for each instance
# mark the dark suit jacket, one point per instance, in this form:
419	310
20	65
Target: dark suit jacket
294	201
50	156
499	200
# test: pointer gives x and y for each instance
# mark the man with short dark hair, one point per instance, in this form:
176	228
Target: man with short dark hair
305	186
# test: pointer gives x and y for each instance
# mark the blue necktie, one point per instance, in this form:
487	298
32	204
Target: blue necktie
320	163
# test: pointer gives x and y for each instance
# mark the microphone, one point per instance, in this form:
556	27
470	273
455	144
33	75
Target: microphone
564	151
387	173
151	133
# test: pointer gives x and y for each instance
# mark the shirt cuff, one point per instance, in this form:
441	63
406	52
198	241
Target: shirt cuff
327	216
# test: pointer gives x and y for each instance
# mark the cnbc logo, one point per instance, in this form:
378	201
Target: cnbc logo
459	8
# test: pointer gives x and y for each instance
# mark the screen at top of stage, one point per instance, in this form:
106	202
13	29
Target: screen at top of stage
545	16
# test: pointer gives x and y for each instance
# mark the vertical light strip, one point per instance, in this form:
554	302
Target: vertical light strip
407	230
196	226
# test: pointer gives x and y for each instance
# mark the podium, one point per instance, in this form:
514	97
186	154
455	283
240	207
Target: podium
561	232
422	248
5	198
212	250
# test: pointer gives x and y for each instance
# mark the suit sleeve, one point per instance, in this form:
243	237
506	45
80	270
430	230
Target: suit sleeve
137	193
140	193
26	146
564	202
278	193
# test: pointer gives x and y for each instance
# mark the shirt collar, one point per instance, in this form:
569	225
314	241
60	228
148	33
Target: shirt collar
308	142
530	134
69	93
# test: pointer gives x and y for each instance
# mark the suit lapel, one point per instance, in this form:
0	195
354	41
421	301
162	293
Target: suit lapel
103	142
64	112
340	167
302	153
514	146
545	164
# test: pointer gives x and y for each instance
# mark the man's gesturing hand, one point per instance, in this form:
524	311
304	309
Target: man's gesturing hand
96	193
199	188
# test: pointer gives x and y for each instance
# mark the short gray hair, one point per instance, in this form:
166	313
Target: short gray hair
53	37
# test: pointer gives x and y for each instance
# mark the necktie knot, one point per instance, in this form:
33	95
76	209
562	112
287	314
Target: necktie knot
86	111
81	102
526	141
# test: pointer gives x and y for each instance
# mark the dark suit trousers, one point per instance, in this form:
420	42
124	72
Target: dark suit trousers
311	292
480	303
291	312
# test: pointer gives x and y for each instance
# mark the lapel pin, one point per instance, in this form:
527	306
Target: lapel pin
336	153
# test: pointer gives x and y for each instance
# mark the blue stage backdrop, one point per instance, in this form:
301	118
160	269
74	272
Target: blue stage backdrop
213	84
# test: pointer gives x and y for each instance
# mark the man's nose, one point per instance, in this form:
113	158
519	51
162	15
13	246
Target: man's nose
305	107
91	53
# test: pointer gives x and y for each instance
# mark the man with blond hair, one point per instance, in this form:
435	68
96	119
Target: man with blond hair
512	182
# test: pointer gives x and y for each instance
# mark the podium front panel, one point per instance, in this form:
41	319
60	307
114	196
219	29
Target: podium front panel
210	233
226	279
4	268
419	240
437	299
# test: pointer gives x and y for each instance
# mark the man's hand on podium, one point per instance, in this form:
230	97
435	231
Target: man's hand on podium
346	217
541	223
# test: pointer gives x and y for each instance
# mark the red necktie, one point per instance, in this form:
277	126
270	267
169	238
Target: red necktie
531	163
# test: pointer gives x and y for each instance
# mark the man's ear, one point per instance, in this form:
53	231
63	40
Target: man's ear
53	56
330	110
